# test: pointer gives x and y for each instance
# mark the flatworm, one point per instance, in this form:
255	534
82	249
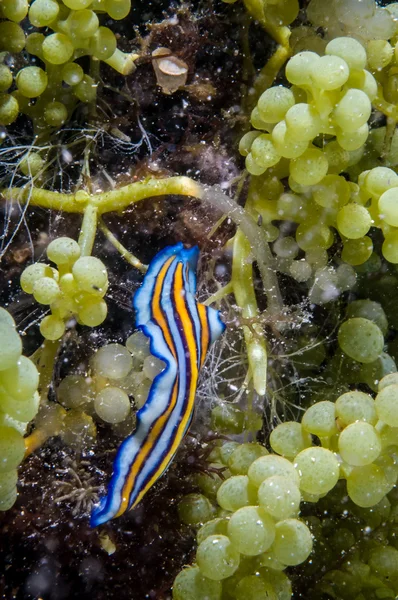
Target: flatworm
180	331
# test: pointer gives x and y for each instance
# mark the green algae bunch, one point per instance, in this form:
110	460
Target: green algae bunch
19	403
76	288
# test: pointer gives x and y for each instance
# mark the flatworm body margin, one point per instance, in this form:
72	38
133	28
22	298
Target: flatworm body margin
180	331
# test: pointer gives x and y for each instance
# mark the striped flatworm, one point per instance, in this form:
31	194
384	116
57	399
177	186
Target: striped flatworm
180	331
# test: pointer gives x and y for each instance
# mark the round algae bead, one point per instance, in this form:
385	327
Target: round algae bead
8	481
74	391
309	168
332	191
368	309
356	406
318	469
15	10
388	206
46	290
77	4
86	89
390	379
112	361
251	530
55	114
300	270
195	509
367	485
20	380
12	449
320	419
93	311
236	492
379	180
243	455
293	542
31	164
6	318
90	275
57	48
353	221
270	465
380	54
7	501
212	527
303	123
299	68
9	109
153	366
288	439
384	561
279	496
12	37
83	23
217	558
72	73
32	274
10	346
112	404
117	10
21	410
31	81
361	339
350	50
387	405
359	444
284	145
353	110
191	584
63	251
263	152
103	43
52	328
274	103
138	345
5	78
390	247
331	72
226	450
43	12
357	252
246	142
253	587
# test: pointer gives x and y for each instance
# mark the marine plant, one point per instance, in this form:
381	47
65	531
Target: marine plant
288	482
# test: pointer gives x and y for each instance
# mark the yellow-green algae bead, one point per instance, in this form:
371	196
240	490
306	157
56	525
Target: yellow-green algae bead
20	380
235	492
9	109
5	78
117	9
293	542
195	509
359	444
12	449
33	273
217	526
34	44
6	318
387	405
46	290
279	496
103	43
63	251
8	481
217	557
7	501
288	439
24	410
93	313
86	89
254	587
15	10
72	73
31	164
112	405
77	4
112	361
75	391
31	81
320	419
251	530
43	12
190	584
361	339
57	48
318	469
367	485
55	114
52	328
268	466
12	37
83	23
90	275
243	455
10	346
356	406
